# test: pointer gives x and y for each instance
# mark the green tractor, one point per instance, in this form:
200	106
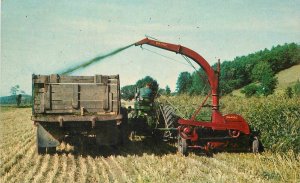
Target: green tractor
150	117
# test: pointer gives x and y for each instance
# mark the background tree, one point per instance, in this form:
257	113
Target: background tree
19	99
148	79
250	90
261	70
263	73
184	82
14	90
199	84
128	92
168	90
268	84
16	94
161	91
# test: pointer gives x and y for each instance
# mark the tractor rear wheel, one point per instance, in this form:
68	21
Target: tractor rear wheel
170	120
182	146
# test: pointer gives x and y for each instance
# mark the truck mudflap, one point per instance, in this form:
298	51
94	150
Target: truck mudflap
44	138
108	134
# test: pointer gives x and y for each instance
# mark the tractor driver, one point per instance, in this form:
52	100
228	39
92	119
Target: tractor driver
146	92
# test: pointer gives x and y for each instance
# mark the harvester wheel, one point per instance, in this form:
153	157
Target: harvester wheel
41	150
182	146
255	145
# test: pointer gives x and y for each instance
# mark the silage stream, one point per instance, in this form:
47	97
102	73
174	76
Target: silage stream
94	60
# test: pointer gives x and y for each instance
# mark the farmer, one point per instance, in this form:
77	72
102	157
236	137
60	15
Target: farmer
146	92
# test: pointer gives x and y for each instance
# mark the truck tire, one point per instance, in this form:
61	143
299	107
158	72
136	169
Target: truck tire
51	150
124	130
41	150
124	136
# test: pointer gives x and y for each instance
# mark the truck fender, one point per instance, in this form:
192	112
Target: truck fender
44	138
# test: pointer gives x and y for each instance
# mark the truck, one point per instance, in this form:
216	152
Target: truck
71	108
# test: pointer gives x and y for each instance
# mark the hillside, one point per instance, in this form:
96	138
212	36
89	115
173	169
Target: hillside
286	77
260	66
10	100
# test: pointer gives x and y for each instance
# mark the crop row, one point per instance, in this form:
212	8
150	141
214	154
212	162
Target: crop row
142	160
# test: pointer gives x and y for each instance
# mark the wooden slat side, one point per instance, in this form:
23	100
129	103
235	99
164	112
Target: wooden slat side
110	102
98	94
75	101
47	97
92	104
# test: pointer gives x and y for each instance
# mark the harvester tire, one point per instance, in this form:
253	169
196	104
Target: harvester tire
255	145
182	146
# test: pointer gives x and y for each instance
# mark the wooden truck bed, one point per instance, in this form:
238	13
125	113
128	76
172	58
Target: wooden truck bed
59	98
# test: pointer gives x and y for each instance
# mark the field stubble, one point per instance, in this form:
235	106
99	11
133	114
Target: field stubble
139	161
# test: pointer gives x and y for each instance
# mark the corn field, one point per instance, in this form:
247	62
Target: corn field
276	117
142	160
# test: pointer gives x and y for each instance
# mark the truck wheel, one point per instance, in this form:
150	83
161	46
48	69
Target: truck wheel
123	128
51	150
170	120
124	135
182	146
41	150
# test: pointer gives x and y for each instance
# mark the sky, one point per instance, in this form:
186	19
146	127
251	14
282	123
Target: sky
46	37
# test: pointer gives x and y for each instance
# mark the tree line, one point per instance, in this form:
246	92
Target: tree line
255	72
17	96
128	91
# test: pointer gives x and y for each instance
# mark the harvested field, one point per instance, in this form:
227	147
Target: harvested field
139	161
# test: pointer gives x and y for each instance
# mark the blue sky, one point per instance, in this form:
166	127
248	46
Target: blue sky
45	37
